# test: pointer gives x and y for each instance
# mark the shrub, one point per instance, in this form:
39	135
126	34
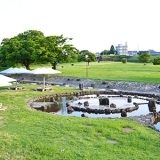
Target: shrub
144	57
124	60
156	61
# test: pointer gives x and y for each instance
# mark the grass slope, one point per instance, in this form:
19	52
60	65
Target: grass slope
26	134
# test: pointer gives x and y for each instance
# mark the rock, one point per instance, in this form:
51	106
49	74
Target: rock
67	104
84	115
129	99
112	105
104	101
152	105
123	113
51	99
86	104
69	109
104	82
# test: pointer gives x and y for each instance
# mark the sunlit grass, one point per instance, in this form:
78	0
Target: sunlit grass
29	134
133	72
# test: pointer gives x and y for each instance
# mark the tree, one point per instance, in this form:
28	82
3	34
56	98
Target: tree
21	48
144	57
112	50
105	52
33	47
83	51
91	56
156	61
2	58
57	50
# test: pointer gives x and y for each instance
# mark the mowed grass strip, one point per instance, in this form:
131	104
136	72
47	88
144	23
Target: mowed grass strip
116	71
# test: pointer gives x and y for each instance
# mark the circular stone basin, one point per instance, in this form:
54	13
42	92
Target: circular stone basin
93	101
121	103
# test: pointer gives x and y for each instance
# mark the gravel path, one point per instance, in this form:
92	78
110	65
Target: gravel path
99	84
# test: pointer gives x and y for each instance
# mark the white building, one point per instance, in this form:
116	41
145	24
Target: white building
122	49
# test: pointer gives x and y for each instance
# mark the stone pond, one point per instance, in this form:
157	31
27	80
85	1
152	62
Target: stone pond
117	92
102	104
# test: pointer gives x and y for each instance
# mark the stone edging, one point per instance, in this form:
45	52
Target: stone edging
146	120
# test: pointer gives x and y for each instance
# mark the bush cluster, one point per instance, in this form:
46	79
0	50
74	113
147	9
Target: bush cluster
156	61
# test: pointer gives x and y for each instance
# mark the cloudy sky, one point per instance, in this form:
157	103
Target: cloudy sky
93	24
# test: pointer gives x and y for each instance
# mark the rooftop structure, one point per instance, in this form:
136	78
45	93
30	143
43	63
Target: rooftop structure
122	49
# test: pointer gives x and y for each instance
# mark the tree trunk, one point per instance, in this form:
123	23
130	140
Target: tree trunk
54	64
27	66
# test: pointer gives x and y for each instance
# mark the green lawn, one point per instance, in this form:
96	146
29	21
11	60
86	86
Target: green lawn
29	135
117	71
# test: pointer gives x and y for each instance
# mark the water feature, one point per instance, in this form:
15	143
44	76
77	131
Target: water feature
121	103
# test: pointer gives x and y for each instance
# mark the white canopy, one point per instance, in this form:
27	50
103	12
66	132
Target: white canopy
44	71
16	71
5	71
5	84
5	81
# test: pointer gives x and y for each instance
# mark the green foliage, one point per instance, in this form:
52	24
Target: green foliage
105	52
21	48
91	57
112	50
144	57
83	51
156	61
124	60
59	50
132	59
33	47
116	58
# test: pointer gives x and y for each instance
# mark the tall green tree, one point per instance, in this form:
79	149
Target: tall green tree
33	47
144	57
56	49
21	48
112	50
2	56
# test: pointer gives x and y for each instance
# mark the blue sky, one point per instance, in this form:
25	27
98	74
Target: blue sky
93	24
